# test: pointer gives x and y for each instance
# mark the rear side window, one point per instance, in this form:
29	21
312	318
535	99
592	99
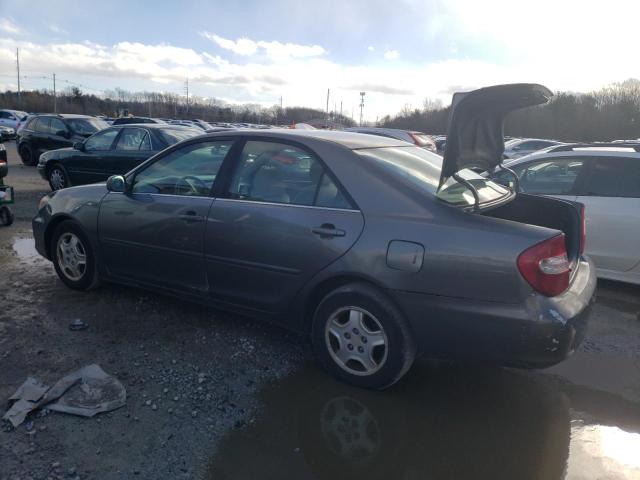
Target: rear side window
280	173
550	177
101	141
132	139
419	168
614	177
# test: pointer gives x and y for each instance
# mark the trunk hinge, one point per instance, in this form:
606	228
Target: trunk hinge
516	180
474	191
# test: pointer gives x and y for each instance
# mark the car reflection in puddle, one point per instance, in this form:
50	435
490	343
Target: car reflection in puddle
440	422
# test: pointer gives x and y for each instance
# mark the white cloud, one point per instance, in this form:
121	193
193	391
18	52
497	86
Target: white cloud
391	54
370	48
274	49
9	26
57	29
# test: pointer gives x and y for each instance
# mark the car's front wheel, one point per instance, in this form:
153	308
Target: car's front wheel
361	337
73	257
58	178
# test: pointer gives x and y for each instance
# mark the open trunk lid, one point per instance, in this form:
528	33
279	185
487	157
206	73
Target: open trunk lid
475	138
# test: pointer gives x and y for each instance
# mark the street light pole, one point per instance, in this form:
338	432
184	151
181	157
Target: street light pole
55	97
362	94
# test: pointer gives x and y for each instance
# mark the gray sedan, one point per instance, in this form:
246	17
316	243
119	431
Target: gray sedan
376	248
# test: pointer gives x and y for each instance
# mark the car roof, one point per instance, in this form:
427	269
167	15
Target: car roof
153	126
63	115
579	151
351	140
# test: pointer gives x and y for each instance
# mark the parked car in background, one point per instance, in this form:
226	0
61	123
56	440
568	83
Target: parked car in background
520	147
606	179
7	133
112	151
375	247
129	120
11	118
419	139
441	142
42	133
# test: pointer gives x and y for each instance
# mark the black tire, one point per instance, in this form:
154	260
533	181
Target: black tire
26	154
6	216
88	278
58	177
400	345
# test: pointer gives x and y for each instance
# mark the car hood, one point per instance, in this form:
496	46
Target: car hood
475	137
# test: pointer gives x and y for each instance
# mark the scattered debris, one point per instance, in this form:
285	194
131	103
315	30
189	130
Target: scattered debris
78	324
95	391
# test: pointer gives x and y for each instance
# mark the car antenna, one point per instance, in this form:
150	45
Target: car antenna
516	180
474	191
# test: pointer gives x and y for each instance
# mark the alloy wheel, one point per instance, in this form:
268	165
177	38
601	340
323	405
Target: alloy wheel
72	256
356	341
56	179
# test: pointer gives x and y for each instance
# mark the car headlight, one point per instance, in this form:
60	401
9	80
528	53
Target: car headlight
44	201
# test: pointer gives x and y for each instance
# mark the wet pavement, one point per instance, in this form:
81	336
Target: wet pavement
251	403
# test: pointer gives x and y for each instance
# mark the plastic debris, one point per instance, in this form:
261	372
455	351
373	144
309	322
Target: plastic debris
85	392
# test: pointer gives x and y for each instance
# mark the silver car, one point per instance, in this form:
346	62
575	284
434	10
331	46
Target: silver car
520	147
374	247
417	138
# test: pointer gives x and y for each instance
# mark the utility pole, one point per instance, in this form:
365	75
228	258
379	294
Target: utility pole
55	97
340	108
18	65
327	121
187	90
362	94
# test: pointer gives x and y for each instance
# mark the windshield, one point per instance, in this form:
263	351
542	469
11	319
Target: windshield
175	135
422	168
87	126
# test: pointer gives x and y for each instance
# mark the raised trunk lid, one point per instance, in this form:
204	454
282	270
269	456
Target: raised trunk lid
475	138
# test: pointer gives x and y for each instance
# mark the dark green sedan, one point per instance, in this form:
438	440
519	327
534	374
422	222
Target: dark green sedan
112	151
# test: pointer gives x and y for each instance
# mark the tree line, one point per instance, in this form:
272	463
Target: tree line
604	115
162	105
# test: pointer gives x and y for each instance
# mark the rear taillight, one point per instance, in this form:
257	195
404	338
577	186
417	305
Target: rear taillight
415	139
583	230
546	266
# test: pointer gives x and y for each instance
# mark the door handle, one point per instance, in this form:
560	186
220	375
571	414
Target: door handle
328	230
191	217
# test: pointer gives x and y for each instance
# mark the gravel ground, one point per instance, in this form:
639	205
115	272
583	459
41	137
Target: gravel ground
196	397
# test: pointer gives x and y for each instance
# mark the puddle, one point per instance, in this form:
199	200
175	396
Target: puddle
440	422
25	249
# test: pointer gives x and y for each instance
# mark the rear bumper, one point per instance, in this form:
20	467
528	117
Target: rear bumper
42	170
536	333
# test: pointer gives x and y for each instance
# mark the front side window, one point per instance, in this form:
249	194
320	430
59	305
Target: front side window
421	169
555	176
132	139
101	141
57	127
614	177
190	170
280	173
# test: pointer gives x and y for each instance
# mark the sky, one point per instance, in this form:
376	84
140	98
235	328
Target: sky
399	52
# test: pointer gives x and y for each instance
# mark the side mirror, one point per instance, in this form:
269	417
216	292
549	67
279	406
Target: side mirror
116	184
79	146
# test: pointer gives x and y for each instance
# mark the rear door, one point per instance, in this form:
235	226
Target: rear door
611	195
39	137
59	135
281	219
133	147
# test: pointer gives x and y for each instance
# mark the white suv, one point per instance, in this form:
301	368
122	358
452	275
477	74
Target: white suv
606	179
11	118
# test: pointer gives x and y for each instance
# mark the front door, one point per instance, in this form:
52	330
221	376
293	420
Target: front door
154	233
280	221
90	165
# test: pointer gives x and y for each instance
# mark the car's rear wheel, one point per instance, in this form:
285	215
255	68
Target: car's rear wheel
58	177
26	154
361	337
73	257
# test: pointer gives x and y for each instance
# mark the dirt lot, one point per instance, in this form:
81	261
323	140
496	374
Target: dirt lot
211	395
